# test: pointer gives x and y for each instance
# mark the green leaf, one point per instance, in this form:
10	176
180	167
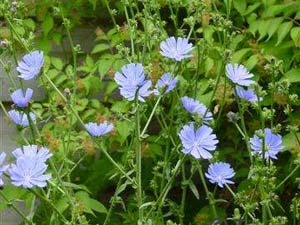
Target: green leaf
90	203
283	30
275	23
124	128
100	48
292	75
194	189
104	65
290	143
47	24
240	6
295	35
239	55
251	62
57	63
29	23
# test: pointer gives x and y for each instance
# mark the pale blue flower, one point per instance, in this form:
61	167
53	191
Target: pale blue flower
238	74
193	106
248	95
20	118
176	49
98	130
273	144
28	172
2	167
31	65
165	84
220	173
30	166
32	151
20	99
132	82
200	142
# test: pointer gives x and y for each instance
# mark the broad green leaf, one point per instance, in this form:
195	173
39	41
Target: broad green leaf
240	6
57	63
29	23
124	128
263	28
239	55
104	65
90	203
290	143
251	62
292	75
283	30
47	24
274	24
251	8
100	47
295	35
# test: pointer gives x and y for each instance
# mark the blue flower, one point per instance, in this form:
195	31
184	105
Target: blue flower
198	142
31	65
20	118
195	107
30	166
32	151
273	144
132	82
20	99
238	74
2	168
220	173
165	84
98	130
28	172
176	49
248	95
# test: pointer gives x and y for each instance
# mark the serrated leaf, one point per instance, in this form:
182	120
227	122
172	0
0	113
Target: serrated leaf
47	24
283	30
90	203
275	23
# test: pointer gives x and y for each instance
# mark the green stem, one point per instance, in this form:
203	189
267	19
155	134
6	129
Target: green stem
138	161
83	125
110	13
208	194
285	179
159	202
11	204
150	117
41	197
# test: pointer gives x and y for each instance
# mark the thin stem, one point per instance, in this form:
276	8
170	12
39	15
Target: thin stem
287	177
82	124
11	204
110	13
49	203
150	117
208	194
138	161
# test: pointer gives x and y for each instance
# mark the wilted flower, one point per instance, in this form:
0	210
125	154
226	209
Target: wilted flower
238	74
220	173
248	95
232	117
165	84
32	151
30	166
31	65
176	49
98	130
273	144
21	99
20	118
198	142
2	168
193	106
132	82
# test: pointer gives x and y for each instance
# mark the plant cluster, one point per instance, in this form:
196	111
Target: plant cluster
196	121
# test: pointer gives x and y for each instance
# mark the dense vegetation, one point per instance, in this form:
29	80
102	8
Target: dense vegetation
156	156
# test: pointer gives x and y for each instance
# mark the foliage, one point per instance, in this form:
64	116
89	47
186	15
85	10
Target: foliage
138	174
